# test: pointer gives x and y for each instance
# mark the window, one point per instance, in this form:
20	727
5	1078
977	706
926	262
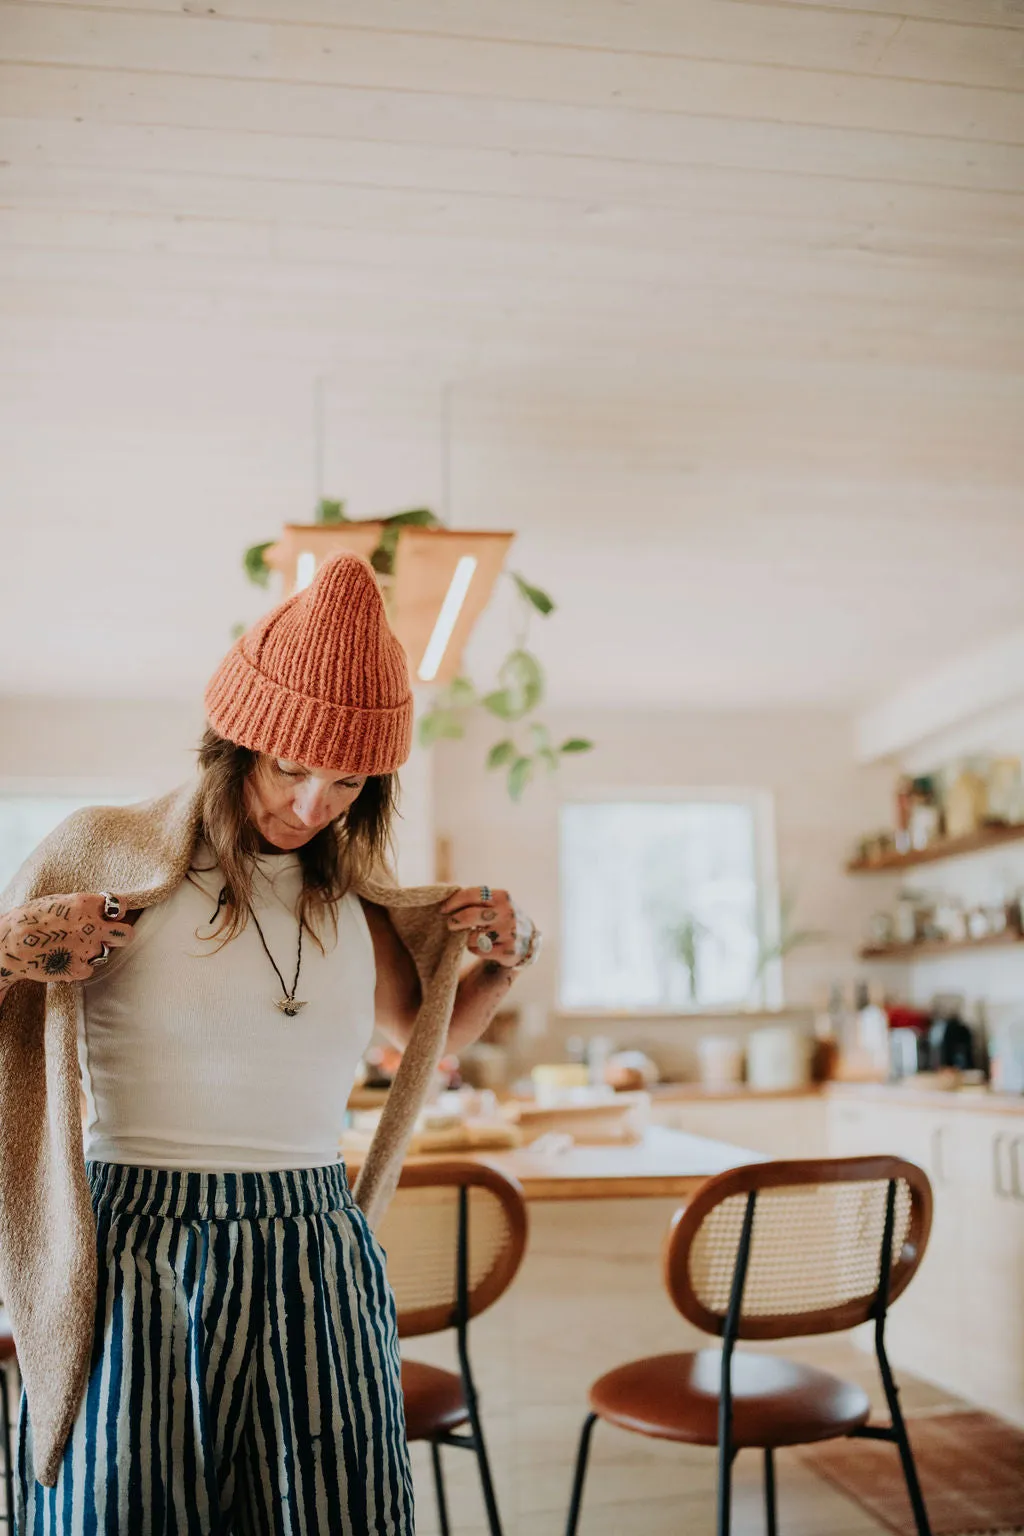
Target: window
663	903
25	819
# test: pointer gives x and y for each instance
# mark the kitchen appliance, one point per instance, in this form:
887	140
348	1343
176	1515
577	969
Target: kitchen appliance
950	1040
908	1052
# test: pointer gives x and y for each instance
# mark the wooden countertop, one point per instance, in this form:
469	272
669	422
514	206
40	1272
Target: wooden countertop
979	1101
699	1093
664	1163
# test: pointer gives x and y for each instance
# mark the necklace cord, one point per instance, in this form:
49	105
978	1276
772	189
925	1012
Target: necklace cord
298	964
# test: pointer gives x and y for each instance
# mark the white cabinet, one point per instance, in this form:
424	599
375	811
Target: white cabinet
991	1173
961	1322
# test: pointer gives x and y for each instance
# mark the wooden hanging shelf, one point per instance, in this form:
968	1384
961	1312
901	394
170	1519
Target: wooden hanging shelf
949	848
934	947
424	568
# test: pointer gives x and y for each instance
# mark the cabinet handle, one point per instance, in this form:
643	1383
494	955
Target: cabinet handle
937	1163
1016	1180
997	1167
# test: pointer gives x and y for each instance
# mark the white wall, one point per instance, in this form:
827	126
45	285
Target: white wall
140	747
823	801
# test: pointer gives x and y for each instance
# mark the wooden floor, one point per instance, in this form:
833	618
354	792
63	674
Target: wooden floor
589	1296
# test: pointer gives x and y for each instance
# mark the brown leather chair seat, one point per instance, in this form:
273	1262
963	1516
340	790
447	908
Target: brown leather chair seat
434	1400
775	1401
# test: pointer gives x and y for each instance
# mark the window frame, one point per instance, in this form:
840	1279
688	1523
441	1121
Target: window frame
762	806
90	788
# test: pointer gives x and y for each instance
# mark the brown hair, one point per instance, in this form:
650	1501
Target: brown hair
355	847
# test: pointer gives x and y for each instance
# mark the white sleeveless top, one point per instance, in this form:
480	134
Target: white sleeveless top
186	1062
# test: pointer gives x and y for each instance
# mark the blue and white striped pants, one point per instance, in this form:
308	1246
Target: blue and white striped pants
245	1373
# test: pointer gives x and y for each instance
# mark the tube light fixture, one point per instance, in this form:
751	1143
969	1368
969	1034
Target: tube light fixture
446	619
305	569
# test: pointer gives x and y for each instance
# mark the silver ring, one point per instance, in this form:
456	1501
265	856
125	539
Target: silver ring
111	905
484	944
485	895
99	959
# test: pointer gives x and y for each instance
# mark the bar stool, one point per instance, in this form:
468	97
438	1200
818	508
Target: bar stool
775	1251
8	1370
454	1234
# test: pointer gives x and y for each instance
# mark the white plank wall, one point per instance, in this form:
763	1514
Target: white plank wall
739	281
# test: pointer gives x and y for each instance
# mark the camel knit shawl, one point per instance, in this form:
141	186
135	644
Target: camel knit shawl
47	1229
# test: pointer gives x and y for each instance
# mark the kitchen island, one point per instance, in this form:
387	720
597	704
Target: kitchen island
665	1164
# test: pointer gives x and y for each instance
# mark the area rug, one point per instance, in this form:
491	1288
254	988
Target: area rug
971	1467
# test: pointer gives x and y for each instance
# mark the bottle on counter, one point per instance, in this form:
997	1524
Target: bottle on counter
873	1030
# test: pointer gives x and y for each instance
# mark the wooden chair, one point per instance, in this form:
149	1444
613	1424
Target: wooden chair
775	1251
454	1234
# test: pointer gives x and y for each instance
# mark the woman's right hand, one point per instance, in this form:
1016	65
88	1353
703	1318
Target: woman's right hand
56	937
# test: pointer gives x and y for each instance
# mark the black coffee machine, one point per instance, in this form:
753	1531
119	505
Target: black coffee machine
950	1040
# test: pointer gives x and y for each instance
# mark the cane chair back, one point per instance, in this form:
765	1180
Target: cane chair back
816	1244
421	1236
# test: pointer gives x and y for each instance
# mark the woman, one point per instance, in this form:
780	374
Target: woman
203	1321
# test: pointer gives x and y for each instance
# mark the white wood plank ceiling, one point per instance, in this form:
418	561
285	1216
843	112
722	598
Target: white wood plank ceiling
725	297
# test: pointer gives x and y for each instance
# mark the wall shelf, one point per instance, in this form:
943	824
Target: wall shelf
936	947
949	848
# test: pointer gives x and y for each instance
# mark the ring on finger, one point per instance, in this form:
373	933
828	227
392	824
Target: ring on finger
485	895
111	907
99	959
484	943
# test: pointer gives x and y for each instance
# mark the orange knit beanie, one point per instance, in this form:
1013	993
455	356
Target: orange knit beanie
320	680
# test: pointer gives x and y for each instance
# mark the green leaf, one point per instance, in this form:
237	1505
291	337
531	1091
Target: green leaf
577	744
501	753
440	725
383	557
238	630
519	775
256	568
549	758
533	595
417	517
500	703
523	677
330	512
539	732
460	693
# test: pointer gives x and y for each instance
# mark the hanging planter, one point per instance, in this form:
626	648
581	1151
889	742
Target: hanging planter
402	548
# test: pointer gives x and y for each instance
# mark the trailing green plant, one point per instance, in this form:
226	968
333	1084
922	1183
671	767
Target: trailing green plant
683	939
526	748
786	938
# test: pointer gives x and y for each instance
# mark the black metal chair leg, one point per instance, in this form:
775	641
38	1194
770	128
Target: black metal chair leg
903	1442
442	1503
726	1456
479	1446
580	1474
5	1429
769	1492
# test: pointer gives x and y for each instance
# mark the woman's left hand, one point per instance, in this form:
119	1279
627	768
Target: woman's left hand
499	930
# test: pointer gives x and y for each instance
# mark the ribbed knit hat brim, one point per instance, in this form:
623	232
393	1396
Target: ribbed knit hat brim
321	680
